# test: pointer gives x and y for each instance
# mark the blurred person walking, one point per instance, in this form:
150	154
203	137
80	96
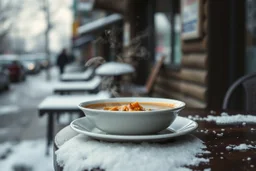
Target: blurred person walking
62	60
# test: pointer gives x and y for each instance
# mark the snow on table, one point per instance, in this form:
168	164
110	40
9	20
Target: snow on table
81	153
241	147
114	69
78	85
224	118
26	154
77	76
71	101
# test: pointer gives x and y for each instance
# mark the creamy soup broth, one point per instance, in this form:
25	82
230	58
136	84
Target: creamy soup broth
146	105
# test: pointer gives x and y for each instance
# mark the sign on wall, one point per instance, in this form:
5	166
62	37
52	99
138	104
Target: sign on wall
126	34
85	5
190	12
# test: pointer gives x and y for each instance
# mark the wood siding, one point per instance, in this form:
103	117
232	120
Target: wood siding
189	83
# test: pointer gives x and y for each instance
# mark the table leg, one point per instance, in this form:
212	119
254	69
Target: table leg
49	132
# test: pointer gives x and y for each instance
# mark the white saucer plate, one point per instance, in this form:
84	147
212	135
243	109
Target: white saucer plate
180	126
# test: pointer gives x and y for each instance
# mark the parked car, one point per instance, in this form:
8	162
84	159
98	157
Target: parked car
34	62
4	78
44	63
31	64
16	70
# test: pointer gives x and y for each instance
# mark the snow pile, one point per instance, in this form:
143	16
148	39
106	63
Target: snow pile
27	154
114	69
4	149
81	153
240	147
227	119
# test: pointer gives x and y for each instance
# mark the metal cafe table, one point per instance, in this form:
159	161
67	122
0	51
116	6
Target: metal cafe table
216	137
109	69
55	105
115	70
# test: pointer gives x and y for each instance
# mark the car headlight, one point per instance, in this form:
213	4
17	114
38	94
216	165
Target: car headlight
31	66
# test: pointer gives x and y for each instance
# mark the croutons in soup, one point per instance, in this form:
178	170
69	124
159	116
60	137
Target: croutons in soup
133	106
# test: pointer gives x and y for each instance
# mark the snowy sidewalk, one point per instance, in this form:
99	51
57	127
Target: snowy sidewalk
22	132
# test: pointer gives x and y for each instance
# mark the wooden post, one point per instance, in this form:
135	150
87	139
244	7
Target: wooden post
225	47
136	16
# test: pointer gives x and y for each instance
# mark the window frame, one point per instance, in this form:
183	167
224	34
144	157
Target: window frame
174	9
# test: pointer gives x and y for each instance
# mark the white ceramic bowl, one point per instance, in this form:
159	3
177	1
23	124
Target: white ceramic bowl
135	122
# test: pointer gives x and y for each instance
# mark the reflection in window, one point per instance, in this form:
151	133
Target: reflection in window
177	40
251	36
163	37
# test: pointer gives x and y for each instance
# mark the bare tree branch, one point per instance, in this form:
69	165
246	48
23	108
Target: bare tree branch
9	11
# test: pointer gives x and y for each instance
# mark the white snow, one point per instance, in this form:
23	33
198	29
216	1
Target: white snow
227	119
241	147
82	152
39	85
114	69
9	109
78	75
71	101
74	85
4	147
30	154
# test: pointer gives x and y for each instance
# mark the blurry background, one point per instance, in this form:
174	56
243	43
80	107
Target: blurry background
24	24
208	44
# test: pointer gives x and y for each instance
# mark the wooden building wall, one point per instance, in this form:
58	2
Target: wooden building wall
189	82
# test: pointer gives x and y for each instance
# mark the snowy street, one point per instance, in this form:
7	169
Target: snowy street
21	129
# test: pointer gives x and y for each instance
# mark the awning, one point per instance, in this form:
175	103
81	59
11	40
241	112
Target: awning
83	40
100	24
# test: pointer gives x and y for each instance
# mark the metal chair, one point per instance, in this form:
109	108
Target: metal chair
248	83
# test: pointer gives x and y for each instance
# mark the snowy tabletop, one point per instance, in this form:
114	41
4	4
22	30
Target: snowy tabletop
71	101
227	142
79	85
114	69
78	75
81	153
225	118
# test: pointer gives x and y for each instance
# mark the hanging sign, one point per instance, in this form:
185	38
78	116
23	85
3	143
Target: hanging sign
85	5
190	13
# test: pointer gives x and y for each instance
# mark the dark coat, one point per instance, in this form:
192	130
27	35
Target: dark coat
62	60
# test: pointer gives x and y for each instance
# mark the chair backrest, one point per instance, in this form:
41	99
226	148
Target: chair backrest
248	83
154	73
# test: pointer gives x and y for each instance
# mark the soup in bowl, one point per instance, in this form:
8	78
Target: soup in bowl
132	115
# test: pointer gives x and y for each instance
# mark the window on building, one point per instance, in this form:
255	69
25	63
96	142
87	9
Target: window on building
250	60
162	36
167	31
